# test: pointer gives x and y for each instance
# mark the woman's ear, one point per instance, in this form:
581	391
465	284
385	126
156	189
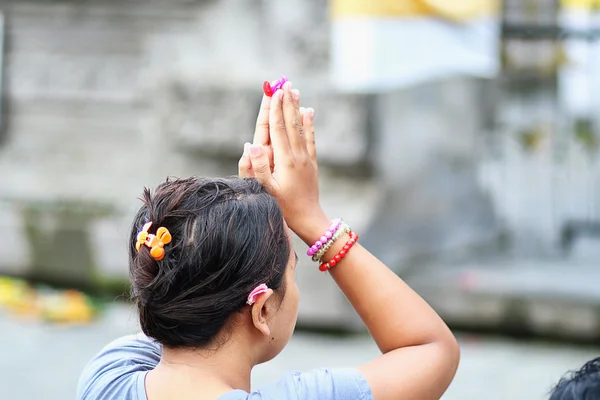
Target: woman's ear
260	312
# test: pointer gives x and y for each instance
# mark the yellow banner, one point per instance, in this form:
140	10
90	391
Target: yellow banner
458	10
377	8
580	4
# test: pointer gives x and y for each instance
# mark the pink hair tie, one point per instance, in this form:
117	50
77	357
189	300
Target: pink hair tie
271	89
260	289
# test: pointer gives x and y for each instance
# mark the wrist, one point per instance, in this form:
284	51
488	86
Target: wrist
312	228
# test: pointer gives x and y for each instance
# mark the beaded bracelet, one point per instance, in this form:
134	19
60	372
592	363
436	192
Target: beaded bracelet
335	225
344	228
340	256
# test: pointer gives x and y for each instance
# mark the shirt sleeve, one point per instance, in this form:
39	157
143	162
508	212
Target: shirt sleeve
119	370
320	384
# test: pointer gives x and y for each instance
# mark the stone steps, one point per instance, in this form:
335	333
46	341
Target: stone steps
528	297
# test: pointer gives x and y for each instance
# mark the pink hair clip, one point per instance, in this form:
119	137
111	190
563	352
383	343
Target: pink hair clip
260	289
270	89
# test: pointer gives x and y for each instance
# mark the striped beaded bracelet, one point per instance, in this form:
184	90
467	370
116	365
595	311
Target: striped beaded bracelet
340	256
342	229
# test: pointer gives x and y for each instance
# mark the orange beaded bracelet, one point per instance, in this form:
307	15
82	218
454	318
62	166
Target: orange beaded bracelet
340	256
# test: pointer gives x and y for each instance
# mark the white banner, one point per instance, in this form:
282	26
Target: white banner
381	45
579	77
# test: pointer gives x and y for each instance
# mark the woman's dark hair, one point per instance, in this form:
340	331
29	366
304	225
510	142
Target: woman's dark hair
583	384
228	236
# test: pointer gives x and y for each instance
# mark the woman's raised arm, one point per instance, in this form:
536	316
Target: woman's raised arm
420	354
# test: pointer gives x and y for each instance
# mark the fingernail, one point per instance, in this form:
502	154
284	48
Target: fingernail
311	113
287	85
246	148
280	94
256	150
302	110
295	94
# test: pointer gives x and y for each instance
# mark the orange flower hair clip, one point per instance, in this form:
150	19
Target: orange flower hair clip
155	243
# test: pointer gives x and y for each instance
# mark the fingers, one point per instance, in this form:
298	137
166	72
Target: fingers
245	164
308	121
282	153
269	150
261	167
261	133
293	119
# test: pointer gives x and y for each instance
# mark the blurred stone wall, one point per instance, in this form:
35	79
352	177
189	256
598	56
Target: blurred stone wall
106	97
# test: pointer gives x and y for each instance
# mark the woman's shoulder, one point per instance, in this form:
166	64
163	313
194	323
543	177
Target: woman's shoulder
118	370
325	384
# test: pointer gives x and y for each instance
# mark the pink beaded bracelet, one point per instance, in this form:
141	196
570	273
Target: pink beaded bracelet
335	225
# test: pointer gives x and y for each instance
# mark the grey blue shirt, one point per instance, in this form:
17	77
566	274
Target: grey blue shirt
119	372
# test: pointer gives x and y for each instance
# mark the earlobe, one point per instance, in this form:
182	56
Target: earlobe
260	313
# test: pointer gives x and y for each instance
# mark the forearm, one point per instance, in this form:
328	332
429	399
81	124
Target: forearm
393	313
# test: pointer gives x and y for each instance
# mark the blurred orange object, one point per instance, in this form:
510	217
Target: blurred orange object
20	299
66	307
17	297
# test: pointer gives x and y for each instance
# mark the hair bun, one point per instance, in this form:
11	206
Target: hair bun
229	236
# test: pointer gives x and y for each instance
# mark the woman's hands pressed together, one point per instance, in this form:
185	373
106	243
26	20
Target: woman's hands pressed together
283	158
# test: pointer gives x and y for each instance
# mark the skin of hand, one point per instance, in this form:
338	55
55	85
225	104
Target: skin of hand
284	158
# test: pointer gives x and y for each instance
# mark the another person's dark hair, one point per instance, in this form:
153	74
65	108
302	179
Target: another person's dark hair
228	236
583	384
